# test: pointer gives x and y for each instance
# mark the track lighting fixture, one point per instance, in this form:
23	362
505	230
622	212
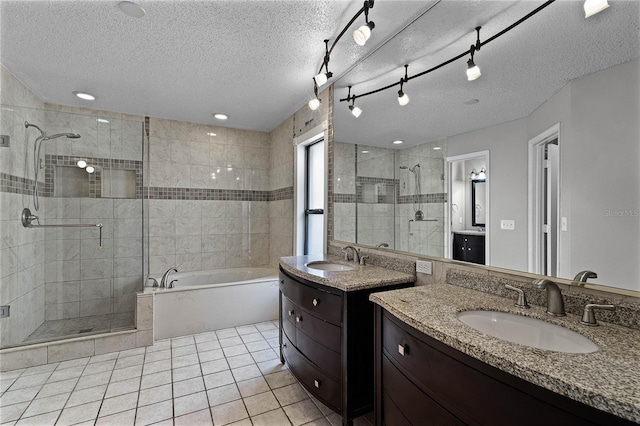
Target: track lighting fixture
322	77
403	98
315	102
353	108
591	7
473	71
362	34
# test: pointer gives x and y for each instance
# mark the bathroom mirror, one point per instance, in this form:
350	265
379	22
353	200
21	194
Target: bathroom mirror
586	90
478	208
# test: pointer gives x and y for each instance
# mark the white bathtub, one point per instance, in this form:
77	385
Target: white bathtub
210	300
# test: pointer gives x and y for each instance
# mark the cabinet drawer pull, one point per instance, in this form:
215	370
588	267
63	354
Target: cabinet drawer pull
284	345
299	319
281	281
316	302
291	313
317	383
402	350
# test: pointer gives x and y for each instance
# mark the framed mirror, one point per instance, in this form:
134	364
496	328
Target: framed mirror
587	88
478	200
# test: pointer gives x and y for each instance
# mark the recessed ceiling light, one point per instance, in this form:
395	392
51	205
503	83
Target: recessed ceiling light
365	152
436	148
471	102
90	169
82	164
132	9
102	120
86	96
398	142
220	116
211	134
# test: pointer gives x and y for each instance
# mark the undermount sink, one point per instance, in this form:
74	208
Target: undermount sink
328	266
527	331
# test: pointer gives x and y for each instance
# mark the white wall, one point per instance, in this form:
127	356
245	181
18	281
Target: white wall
600	176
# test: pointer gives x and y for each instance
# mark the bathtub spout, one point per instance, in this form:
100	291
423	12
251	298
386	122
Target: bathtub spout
163	281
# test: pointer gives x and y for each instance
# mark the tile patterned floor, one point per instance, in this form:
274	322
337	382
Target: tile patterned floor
227	377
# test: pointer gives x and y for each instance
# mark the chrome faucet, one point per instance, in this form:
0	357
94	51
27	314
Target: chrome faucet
356	253
582	276
382	245
522	298
555	304
163	281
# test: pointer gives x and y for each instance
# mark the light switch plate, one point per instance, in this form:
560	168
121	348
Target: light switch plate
4	311
4	141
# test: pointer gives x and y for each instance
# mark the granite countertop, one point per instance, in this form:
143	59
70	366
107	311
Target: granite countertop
360	278
608	379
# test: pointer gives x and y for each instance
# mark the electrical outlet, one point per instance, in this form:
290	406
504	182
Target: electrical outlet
564	223
4	311
509	225
423	267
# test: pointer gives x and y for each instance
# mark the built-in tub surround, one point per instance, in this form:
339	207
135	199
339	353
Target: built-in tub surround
607	379
211	300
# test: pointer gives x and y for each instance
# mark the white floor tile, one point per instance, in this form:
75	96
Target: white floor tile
190	403
272	418
200	418
155	395
240	361
156	367
155	413
57	388
183	361
223	394
182	341
157	379
129	361
246	329
126	373
91	380
208	345
13	412
206	337
47	368
80	362
188	372
15	397
85	396
45	405
183	350
120	419
235	350
253	386
123	387
159	346
187	387
66	374
257	346
211	355
79	414
261	403
290	394
218	379
246	372
228	413
211	367
119	404
30	381
47	419
255	337
99	367
302	412
157	356
226	333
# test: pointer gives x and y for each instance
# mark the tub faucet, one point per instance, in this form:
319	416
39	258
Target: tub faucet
382	245
356	254
582	276
555	304
163	281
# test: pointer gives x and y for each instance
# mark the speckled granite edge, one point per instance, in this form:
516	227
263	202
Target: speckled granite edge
360	278
626	314
608	379
386	260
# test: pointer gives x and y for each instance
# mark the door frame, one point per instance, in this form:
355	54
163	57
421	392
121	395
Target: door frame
535	203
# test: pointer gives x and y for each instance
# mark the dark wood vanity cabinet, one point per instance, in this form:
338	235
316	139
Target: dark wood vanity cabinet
327	340
421	381
468	248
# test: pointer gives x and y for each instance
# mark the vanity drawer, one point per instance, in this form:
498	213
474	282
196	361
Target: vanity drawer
321	331
413	404
322	304
319	383
326	359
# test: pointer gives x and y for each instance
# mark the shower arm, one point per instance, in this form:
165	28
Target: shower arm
28	218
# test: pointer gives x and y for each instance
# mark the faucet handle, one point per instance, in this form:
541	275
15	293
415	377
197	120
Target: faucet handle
171	283
346	254
522	297
588	316
362	259
155	282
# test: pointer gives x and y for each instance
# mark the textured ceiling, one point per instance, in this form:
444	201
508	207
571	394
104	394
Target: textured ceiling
252	60
520	70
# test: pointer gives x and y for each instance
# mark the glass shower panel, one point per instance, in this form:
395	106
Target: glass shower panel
84	280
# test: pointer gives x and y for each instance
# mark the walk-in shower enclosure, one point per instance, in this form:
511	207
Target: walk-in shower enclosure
60	282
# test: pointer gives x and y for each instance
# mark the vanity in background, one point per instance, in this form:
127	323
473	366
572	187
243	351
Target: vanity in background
468	246
326	329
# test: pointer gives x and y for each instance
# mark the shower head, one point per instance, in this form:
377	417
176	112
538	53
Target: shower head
59	135
404	167
27	125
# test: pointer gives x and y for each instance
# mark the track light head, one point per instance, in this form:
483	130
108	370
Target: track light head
355	111
314	104
591	7
403	98
362	34
321	78
473	71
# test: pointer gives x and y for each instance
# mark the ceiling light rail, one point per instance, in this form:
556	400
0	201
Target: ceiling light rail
361	35
474	48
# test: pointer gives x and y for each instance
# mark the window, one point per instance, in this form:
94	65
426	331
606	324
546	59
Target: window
314	198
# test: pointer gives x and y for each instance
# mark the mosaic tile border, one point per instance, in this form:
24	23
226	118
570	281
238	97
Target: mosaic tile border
16	185
164	193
